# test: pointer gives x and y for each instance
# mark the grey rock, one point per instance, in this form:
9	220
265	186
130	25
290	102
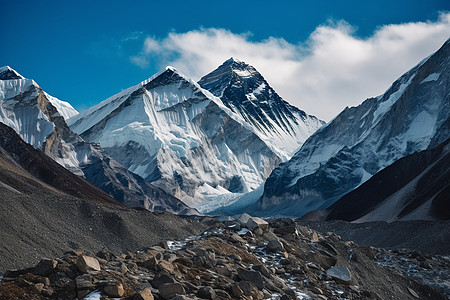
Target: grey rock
252	276
275	245
341	274
206	292
170	290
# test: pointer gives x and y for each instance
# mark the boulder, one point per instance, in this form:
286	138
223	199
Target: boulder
206	292
114	290
275	245
161	278
45	267
84	282
340	274
170	290
252	276
145	294
255	222
246	288
243	219
87	263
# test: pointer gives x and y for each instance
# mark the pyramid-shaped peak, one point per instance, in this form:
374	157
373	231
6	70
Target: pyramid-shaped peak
8	73
232	60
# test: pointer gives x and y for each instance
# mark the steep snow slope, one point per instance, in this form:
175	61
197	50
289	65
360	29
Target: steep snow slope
411	116
416	187
38	118
245	91
180	137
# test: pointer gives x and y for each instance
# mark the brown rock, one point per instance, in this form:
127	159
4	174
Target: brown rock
114	290
145	294
149	263
88	263
39	287
165	265
246	288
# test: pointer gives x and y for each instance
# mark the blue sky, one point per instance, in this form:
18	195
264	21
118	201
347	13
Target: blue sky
85	51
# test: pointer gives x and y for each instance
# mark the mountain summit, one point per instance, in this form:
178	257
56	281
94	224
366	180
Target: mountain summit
245	91
180	137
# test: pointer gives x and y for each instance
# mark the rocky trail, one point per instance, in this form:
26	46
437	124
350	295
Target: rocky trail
246	258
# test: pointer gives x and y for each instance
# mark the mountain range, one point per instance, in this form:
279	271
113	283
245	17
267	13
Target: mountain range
40	120
192	144
170	144
412	115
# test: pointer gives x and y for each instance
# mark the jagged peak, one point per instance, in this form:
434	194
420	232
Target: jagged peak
8	73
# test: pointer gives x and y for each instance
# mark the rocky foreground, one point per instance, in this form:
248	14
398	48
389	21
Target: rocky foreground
247	258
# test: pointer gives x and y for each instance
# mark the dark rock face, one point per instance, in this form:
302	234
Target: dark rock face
234	80
411	181
411	116
253	271
6	73
13	150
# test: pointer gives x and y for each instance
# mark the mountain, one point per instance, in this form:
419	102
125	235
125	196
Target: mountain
414	187
179	137
412	115
245	91
40	120
47	210
24	169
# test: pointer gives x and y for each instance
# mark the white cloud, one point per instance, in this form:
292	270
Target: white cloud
332	69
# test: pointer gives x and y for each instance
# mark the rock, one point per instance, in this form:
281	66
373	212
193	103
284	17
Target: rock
84	282
169	290
413	293
206	292
270	236
255	222
341	274
243	219
149	263
39	287
246	288
170	257
45	267
223	270
161	278
145	294
314	237
88	263
252	276
114	290
165	265
275	245
263	270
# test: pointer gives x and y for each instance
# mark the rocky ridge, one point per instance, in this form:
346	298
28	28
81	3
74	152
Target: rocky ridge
246	258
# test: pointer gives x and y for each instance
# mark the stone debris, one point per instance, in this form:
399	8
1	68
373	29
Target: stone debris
277	260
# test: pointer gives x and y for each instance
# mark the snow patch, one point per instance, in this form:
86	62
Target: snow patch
95	295
431	77
383	107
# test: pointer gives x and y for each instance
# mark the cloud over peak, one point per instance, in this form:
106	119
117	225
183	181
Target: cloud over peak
332	69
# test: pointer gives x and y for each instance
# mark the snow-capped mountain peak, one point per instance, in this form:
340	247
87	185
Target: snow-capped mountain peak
8	73
245	92
182	138
411	116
